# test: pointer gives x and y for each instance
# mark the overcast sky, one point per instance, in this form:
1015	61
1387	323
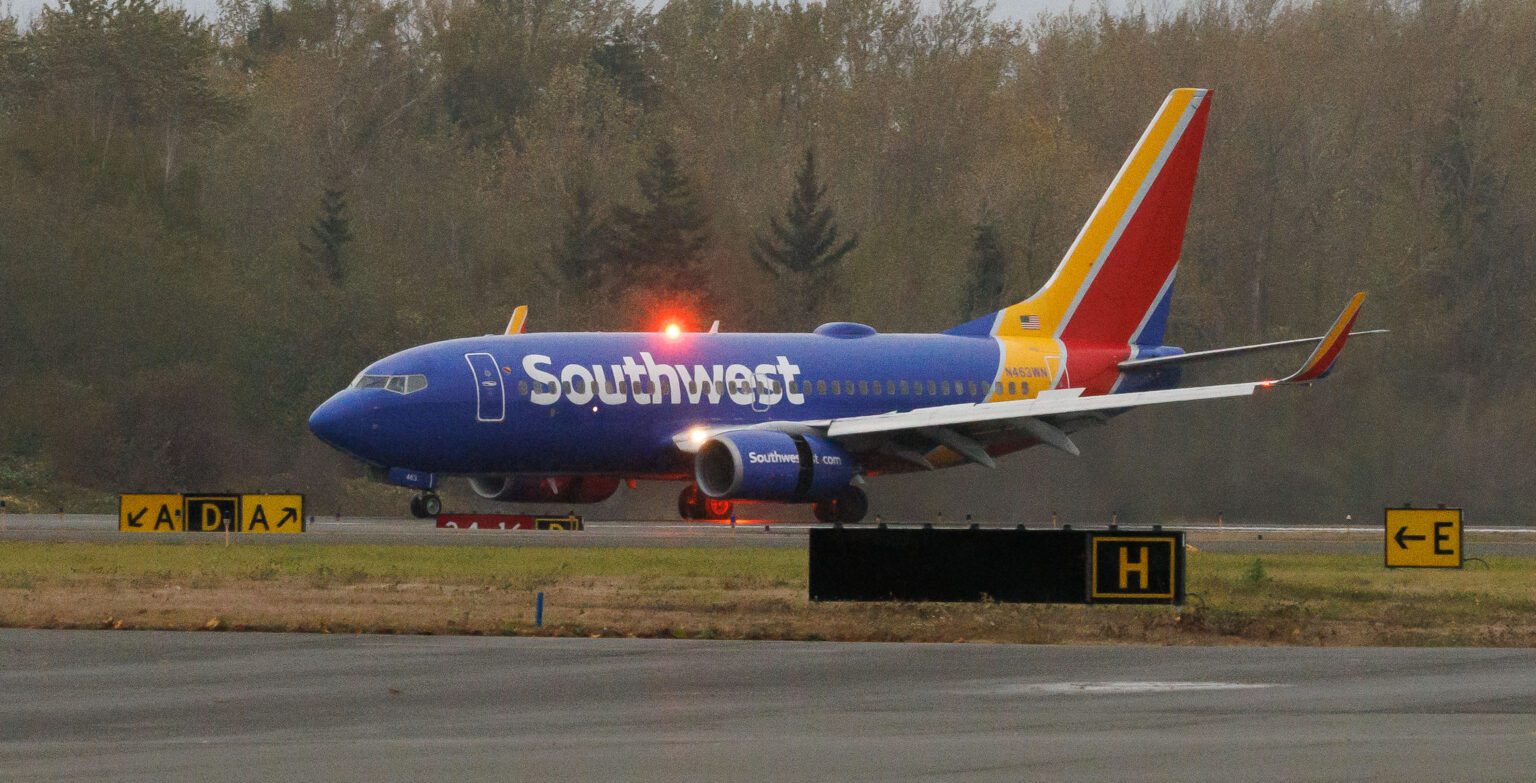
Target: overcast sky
1019	9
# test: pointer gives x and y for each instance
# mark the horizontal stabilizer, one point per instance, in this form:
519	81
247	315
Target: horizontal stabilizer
1230	353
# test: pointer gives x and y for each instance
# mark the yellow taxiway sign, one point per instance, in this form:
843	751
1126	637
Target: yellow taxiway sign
1423	538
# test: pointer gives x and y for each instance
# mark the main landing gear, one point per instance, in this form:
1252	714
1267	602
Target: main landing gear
426	505
693	504
848	506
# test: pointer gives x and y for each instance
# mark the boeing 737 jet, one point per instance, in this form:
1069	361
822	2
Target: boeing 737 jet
804	418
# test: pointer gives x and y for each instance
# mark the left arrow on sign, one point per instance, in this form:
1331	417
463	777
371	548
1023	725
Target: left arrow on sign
1402	537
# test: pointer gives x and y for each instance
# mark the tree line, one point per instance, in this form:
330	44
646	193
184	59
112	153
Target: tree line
210	224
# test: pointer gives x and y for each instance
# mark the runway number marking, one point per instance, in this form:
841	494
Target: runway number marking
1422	538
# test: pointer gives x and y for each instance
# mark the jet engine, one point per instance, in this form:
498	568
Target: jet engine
768	465
545	489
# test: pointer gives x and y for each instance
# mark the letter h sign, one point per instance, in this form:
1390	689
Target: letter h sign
1135	567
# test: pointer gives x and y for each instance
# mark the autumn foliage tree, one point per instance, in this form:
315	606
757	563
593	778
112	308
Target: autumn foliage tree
159	222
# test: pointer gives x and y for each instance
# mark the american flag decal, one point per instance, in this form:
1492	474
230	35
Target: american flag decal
1029	321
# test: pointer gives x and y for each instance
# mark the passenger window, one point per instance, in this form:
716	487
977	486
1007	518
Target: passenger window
905	388
931	388
997	388
864	387
837	387
1013	388
944	388
522	388
974	391
917	388
821	387
890	387
877	388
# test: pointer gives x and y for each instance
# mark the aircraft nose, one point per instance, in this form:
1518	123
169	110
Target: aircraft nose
330	422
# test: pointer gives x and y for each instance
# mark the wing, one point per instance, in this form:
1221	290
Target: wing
973	431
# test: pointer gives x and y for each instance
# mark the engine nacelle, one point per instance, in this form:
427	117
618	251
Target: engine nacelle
545	489
768	465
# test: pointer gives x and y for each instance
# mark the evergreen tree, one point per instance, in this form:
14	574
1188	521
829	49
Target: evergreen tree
575	256
618	58
804	247
988	263
331	232
806	242
660	246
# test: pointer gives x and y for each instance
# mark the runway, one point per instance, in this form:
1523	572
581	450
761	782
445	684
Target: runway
206	706
1231	537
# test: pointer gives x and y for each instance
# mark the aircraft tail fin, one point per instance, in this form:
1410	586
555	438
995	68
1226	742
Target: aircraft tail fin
1114	283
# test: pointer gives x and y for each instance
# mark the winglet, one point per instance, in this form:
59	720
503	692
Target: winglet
519	319
1320	363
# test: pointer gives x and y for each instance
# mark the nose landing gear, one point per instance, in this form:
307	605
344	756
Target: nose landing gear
426	505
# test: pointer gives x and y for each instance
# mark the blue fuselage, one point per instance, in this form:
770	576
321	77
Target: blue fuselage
612	403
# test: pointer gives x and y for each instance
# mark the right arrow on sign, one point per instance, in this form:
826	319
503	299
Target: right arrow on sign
1402	538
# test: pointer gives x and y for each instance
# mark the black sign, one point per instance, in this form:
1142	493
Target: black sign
209	513
1136	567
1010	565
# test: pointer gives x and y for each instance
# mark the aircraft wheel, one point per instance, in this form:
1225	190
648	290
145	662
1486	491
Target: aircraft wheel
431	505
416	509
715	508
852	505
824	511
688	502
848	507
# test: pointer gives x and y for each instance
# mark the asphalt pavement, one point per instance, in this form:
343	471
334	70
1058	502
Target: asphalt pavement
1232	537
128	706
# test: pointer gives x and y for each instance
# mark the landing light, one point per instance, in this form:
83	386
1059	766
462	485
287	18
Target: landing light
673	331
697	435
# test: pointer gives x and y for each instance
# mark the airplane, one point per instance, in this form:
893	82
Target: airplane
802	418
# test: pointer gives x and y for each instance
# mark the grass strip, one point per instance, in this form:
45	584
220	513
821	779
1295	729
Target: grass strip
745	593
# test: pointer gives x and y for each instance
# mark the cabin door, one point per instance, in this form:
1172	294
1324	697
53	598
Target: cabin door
490	394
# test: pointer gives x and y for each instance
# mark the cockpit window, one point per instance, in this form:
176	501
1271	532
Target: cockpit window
399	384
